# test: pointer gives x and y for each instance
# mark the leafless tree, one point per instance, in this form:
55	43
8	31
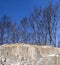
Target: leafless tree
49	16
23	24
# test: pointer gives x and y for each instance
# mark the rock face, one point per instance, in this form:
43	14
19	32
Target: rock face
25	54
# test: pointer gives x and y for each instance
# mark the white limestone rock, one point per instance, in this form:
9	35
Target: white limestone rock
25	54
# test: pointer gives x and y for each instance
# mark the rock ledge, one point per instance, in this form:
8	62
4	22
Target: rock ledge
25	54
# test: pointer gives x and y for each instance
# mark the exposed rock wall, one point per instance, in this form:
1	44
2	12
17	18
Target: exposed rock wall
25	54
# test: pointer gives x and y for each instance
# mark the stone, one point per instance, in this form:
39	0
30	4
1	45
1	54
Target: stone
25	54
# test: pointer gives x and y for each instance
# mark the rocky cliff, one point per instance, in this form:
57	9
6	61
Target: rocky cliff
25	54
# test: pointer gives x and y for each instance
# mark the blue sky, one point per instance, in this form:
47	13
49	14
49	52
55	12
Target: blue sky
17	9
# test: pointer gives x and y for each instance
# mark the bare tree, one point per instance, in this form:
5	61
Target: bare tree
13	32
5	29
23	24
49	15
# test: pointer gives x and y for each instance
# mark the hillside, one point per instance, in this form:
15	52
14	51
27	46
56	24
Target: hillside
25	54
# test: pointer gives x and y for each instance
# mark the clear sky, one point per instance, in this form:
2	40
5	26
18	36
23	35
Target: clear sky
17	9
